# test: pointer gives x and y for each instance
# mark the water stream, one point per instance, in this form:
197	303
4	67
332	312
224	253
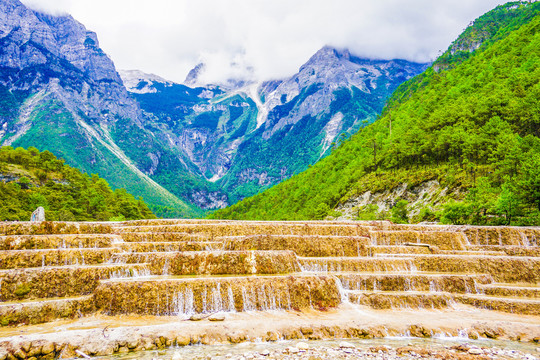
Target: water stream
253	349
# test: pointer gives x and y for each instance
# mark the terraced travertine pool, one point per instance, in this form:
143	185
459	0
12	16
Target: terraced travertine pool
106	288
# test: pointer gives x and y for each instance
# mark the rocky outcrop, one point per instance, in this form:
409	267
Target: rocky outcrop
418	197
193	75
138	82
334	69
209	200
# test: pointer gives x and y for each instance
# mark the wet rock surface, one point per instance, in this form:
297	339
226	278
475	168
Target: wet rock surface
318	350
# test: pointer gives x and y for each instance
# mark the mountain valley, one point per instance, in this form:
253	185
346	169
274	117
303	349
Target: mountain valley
184	149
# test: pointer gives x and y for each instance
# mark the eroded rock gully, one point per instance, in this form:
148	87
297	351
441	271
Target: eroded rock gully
107	288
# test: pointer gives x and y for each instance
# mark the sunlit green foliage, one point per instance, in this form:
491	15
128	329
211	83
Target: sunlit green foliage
30	179
474	125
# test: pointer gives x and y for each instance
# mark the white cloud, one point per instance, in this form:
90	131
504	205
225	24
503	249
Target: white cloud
274	37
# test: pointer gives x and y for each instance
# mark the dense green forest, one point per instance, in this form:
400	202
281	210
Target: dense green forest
29	179
471	122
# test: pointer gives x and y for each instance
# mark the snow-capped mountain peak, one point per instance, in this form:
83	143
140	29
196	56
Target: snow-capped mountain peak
139	82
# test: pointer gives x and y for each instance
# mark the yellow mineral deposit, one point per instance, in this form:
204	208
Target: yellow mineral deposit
104	288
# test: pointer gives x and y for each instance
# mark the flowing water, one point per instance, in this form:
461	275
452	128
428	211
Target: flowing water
248	349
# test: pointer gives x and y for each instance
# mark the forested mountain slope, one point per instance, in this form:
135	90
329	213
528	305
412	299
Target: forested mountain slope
463	137
29	179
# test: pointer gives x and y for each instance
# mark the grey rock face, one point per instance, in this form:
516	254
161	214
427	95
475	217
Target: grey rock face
138	82
193	76
63	37
333	69
37	50
209	200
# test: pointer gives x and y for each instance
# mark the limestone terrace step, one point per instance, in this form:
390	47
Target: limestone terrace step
170	236
45	310
419	299
54	227
303	245
61	281
214	262
453	283
16	259
29	242
501	268
263	228
447	240
399	250
511	290
155	246
509	250
184	296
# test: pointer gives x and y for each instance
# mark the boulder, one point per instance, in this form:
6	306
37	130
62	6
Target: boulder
217	317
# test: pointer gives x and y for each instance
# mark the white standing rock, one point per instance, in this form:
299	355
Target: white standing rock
38	215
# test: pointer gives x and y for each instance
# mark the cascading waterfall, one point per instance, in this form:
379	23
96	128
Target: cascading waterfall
263	300
478	290
466	238
204	300
373	239
183	303
248	299
407	284
165	269
263	297
230	295
343	291
524	239
216	300
467	287
130	273
309	292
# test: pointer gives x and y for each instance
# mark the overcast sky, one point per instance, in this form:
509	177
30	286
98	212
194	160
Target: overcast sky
273	37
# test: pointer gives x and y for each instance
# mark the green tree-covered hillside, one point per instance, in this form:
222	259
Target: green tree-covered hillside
29	179
471	122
